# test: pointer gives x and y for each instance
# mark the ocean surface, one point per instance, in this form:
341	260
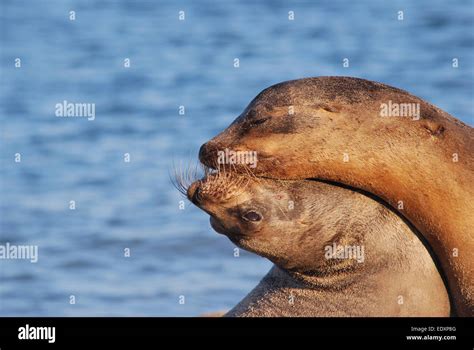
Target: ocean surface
82	269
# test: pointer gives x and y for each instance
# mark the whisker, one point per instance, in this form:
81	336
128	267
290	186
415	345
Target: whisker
184	176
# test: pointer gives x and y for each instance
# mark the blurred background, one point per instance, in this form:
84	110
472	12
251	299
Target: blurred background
173	63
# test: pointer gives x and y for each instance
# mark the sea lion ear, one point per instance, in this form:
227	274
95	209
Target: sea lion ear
435	129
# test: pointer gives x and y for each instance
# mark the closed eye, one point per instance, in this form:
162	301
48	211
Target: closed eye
259	121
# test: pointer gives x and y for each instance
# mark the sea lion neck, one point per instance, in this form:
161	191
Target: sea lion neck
332	277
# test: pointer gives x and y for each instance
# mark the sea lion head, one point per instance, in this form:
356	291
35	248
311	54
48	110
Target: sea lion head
288	222
269	126
305	128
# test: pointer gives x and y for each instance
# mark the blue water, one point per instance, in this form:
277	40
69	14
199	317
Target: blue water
133	205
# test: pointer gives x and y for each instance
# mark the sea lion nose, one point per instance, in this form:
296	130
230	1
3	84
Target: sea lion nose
208	154
193	192
202	152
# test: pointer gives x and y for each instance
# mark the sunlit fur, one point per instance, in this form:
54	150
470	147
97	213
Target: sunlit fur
426	164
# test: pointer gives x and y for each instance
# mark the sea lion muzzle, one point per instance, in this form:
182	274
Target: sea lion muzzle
194	193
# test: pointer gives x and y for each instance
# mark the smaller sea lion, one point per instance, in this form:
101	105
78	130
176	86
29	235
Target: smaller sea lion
336	252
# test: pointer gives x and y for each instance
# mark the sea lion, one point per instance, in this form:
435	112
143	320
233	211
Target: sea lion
416	157
336	252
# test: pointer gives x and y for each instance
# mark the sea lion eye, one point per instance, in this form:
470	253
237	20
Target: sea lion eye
259	121
252	216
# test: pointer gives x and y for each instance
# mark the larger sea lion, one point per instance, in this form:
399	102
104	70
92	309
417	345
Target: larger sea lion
336	252
377	138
